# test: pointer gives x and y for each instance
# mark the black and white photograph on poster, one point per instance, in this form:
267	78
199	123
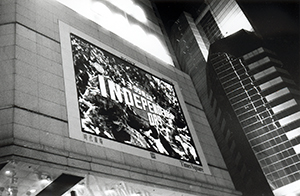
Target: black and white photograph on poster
121	102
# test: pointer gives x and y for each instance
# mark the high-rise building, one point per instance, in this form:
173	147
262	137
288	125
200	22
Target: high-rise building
248	79
91	104
250	101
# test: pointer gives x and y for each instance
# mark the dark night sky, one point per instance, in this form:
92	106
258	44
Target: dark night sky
276	20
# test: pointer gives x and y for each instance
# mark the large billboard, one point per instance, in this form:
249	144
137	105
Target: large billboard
121	102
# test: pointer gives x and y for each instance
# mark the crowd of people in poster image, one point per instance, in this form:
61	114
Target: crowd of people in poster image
113	119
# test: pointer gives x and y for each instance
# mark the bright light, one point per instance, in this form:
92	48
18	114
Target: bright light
123	25
79	186
139	14
32	191
229	28
8	172
101	9
135	194
130	8
137	36
44	178
108	192
125	5
155	47
79	5
233	22
291	189
119	24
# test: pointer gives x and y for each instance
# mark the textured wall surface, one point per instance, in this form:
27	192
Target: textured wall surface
33	111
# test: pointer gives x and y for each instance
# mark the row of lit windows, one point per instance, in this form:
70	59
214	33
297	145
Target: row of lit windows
261	122
278	94
230	88
250	94
260	113
245	87
264	134
223	70
271	83
234	70
258	63
289	166
245	100
260	149
246	115
289	119
288	156
239	88
272	143
229	77
243	110
293	133
210	27
254	119
290	173
272	147
252	135
258	126
242	74
286	179
219	60
256	53
216	58
265	153
235	92
230	81
285	157
222	66
255	100
265	73
226	67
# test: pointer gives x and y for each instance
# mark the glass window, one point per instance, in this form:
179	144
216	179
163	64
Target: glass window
264	73
284	106
246	115
238	98
297	148
271	83
249	121
259	63
210	27
293	133
232	87
277	94
289	119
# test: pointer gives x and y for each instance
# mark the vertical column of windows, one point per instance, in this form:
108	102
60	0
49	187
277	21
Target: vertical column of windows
210	27
261	128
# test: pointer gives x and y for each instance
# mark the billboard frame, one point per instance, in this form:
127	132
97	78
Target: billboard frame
74	121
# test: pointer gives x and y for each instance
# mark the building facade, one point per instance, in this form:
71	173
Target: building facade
229	68
89	107
264	100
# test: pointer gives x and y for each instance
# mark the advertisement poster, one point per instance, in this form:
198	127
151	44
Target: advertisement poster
123	103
